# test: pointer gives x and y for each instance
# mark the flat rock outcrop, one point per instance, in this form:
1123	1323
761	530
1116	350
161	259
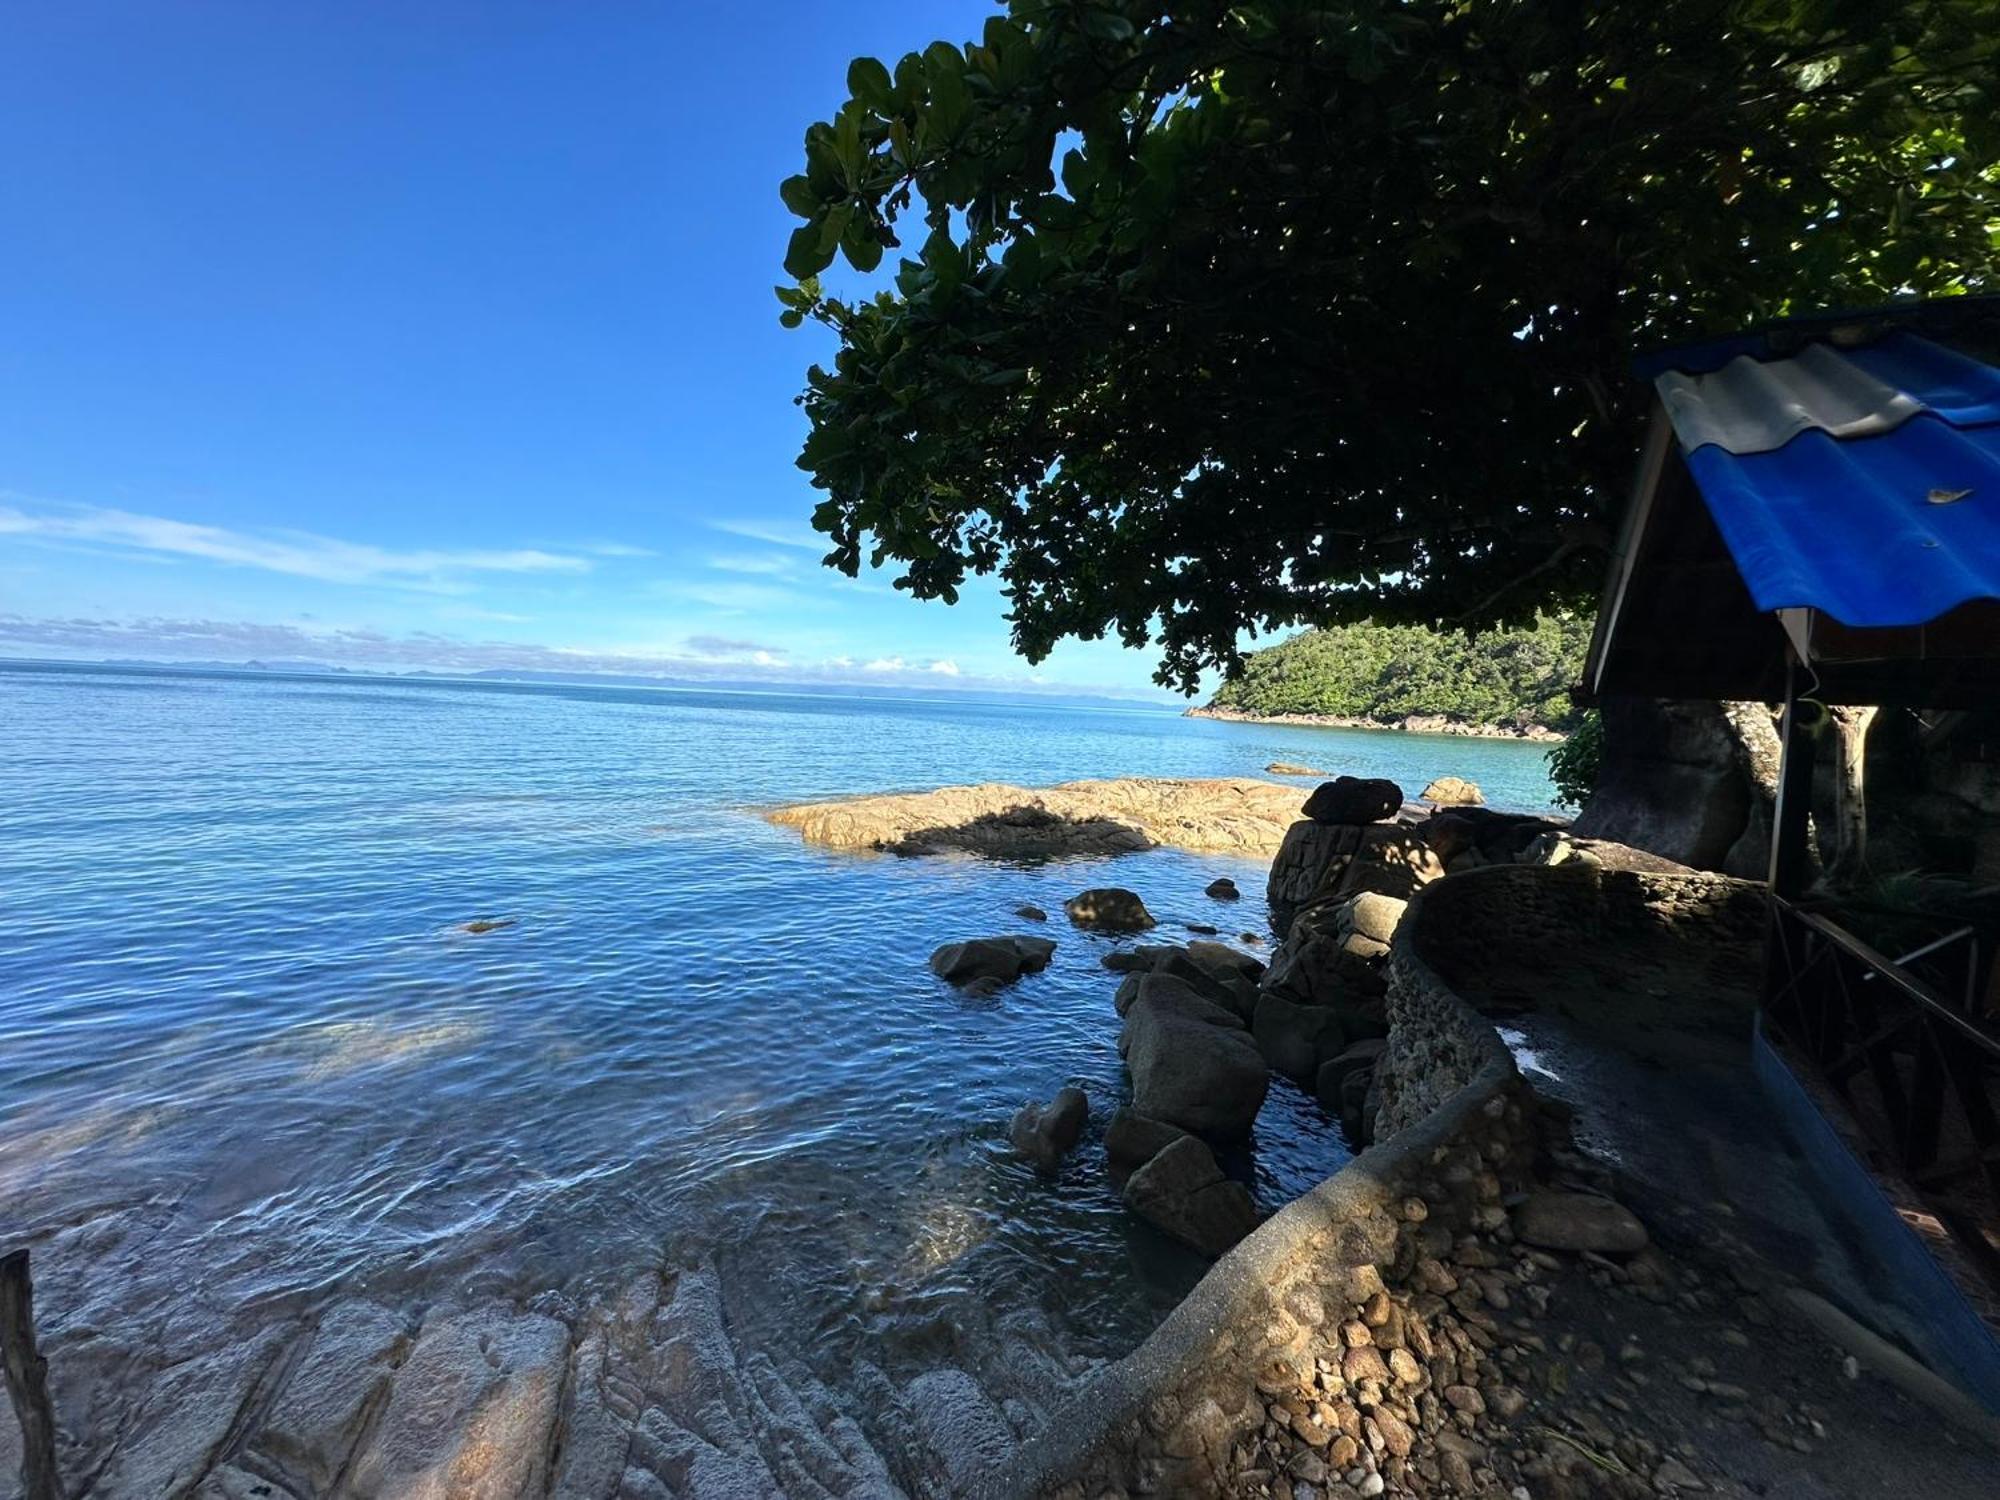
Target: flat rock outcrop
1234	815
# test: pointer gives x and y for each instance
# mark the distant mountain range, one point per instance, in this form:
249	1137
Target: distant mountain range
532	677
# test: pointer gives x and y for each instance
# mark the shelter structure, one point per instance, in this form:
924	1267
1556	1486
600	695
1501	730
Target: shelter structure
1816	521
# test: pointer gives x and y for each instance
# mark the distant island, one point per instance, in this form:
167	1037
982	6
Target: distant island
1503	683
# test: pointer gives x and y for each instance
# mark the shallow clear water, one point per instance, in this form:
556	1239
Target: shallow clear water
240	1019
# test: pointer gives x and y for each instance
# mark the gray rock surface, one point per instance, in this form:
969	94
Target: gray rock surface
1183	1191
1222	888
311	1430
472	1412
1169	993
1372	916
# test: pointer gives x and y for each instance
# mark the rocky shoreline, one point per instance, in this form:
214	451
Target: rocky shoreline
1411	724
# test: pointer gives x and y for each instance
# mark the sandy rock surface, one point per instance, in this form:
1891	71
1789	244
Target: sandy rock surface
1235	815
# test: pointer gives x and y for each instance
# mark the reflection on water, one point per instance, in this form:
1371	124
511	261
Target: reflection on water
253	1056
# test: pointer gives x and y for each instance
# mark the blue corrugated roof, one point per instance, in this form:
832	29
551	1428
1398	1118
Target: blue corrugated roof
1890	528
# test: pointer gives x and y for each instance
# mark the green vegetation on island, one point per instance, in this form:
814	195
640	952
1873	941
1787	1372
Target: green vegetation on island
1512	681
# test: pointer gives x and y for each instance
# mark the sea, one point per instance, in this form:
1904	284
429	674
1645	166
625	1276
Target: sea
254	1054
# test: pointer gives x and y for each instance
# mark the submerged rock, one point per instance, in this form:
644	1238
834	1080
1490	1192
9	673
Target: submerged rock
1031	914
1183	1191
1045	1134
1352	799
991	962
1109	909
1222	888
1286	768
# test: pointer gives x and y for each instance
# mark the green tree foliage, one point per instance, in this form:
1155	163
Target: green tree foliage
1263	311
1574	764
1511	678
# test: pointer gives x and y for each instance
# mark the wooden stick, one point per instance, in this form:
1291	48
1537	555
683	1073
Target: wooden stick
27	1380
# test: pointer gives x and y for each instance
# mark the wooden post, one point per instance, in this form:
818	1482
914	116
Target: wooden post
1791	859
27	1380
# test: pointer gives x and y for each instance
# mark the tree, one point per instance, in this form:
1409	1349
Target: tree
1213	315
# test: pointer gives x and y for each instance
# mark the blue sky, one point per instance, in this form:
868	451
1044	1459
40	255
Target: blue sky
435	334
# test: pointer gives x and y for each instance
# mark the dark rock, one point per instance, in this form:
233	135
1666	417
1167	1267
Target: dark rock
1109	909
1352	1061
1193	1064
1140	960
1046	1133
1202	929
1351	799
1031	914
1171	992
1673	783
1223	889
1004	959
1296	1039
1182	1190
1498	838
1131	1139
1312	857
1577	1221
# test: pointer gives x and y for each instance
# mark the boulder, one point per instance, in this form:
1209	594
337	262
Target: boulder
1222	888
1183	1191
1045	1134
997	960
1674	782
1132	1139
1296	1039
1221	959
1142	959
1031	914
1355	1059
1172	992
1556	1220
1391	861
1286	768
1193	1064
1370	916
1453	791
1109	909
1351	799
1313	855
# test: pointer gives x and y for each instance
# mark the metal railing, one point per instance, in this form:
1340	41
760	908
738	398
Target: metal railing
1932	1066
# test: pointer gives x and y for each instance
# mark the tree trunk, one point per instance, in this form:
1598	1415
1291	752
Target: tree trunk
27	1380
1758	752
1850	804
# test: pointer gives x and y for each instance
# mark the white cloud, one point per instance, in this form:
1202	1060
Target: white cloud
761	564
299	554
777	534
886	664
618	549
945	667
738	598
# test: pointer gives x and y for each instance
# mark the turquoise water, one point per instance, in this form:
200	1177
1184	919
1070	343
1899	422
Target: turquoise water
249	1056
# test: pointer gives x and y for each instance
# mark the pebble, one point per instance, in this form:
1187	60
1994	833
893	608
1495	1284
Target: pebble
1675	1475
1372	1485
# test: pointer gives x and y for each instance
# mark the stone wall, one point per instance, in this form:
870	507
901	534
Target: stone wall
1458	1130
1165	1419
